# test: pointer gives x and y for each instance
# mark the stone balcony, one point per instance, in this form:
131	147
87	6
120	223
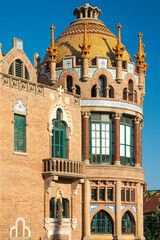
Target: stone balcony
61	167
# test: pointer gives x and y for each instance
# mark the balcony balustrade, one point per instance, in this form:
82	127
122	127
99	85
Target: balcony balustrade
63	168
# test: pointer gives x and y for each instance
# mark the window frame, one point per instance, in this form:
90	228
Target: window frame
62	136
16	150
131	145
111	133
104	222
125	223
24	70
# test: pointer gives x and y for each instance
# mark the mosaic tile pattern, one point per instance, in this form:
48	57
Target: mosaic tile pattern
68	63
130	68
115	104
19	106
111	207
93	207
102	63
132	207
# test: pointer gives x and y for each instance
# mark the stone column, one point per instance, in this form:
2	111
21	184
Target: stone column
97	91
86	210
86	135
136	142
118	211
52	72
117	138
74	89
85	69
119	71
140	144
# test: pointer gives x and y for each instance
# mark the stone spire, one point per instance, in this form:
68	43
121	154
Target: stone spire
141	65
52	53
85	53
85	47
53	50
119	49
140	55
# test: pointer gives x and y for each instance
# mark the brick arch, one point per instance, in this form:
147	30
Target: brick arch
130	76
103	72
107	210
68	72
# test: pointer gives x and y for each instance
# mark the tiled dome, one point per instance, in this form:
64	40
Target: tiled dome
102	40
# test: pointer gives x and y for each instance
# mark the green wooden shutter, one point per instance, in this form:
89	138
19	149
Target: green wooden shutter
19	133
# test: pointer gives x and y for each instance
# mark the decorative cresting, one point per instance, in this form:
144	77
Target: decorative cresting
52	53
119	49
87	11
85	53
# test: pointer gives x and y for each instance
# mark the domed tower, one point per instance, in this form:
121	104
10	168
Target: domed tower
88	60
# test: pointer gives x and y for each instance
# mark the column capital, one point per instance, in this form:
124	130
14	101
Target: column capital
86	114
136	119
116	115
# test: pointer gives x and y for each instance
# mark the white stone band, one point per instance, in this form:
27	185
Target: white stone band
106	103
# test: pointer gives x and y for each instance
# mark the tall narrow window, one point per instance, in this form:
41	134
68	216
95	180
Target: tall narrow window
93	91
101	86
65	204
18	68
110	194
93	194
132	195
101	138
19	133
130	87
52	208
126	141
125	94
102	194
59	137
11	69
111	92
101	223
26	73
69	83
78	90
127	223
122	194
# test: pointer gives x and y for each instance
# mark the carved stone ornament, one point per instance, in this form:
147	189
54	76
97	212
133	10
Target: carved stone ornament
74	223
75	193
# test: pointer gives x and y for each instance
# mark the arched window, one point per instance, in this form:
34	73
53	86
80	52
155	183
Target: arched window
18	69
111	92
125	94
89	13
128	223
93	91
135	96
83	13
59	137
126	141
69	83
54	208
101	138
78	90
130	87
102	223
101	86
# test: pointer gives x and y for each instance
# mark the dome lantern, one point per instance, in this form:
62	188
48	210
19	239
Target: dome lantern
87	11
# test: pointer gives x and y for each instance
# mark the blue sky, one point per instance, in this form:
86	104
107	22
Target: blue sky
31	20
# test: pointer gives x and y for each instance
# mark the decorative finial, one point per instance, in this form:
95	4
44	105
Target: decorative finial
119	49
140	55
85	47
53	50
145	66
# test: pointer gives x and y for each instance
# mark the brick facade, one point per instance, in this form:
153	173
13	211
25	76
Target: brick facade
33	179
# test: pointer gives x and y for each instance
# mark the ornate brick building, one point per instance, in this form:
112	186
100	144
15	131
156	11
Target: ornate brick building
71	137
